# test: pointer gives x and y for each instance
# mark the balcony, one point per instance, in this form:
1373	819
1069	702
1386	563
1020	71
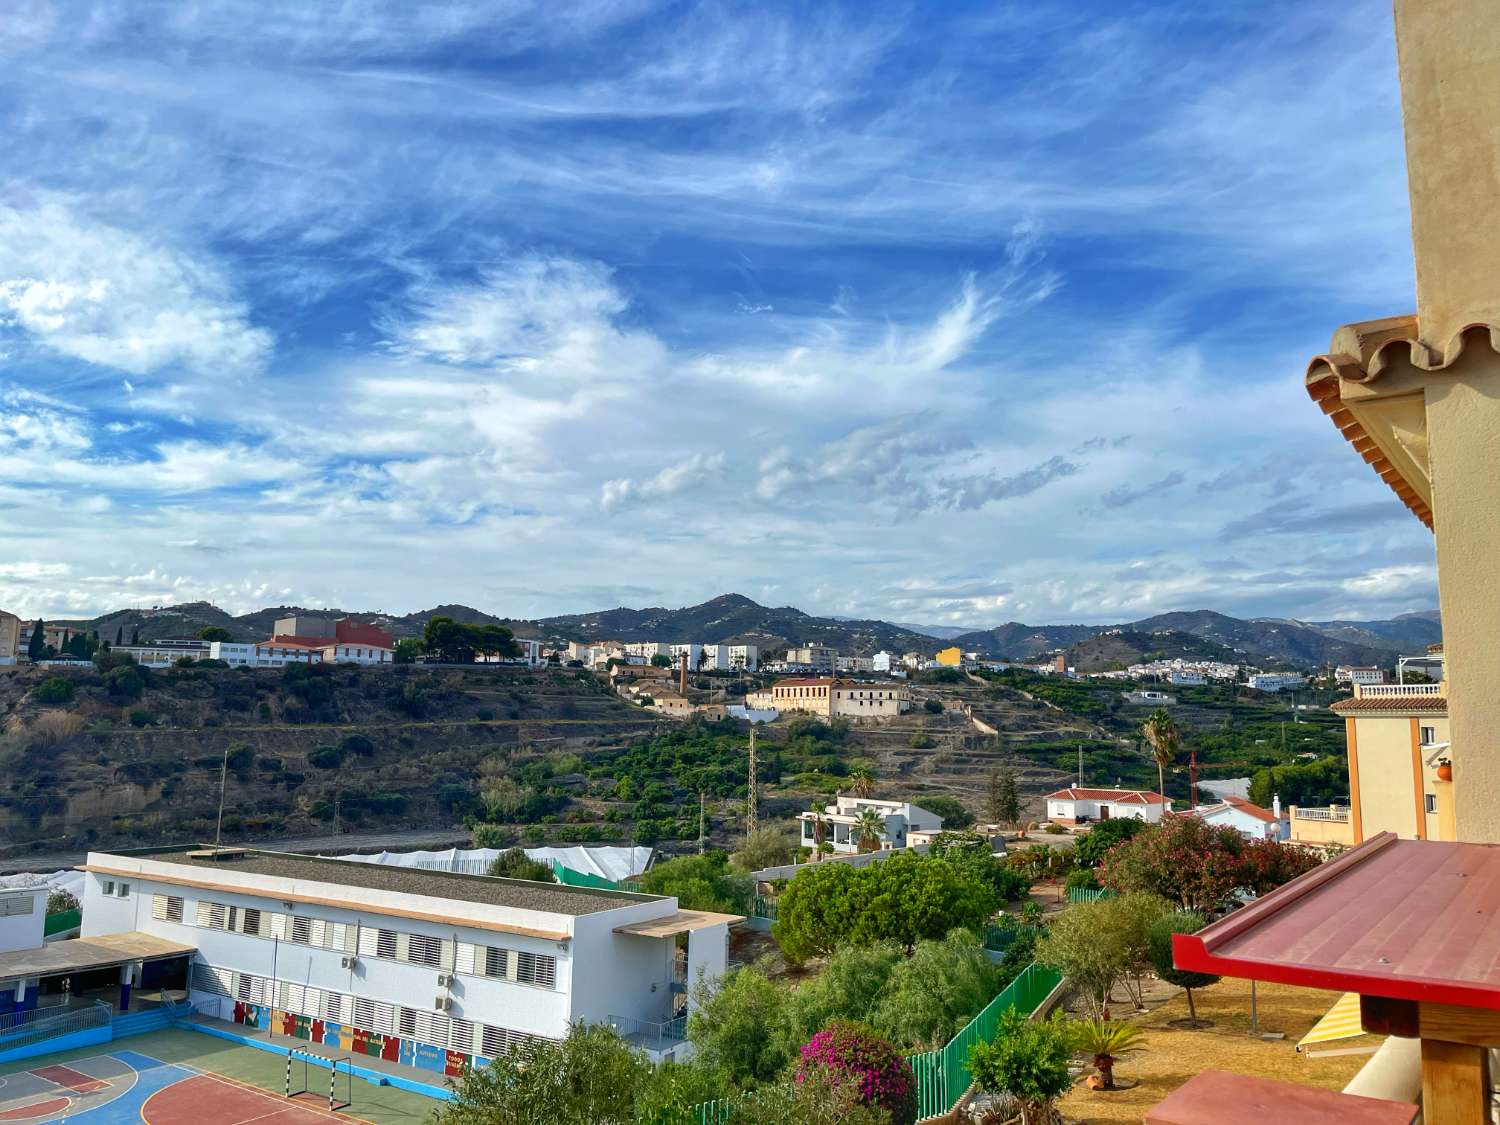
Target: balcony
1398	691
1321	826
650	1036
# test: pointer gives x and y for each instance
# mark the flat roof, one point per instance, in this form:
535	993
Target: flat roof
1404	919
521	894
78	954
683	922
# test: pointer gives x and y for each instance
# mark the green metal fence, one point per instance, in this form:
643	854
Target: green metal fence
568	877
763	907
1083	894
62	922
943	1075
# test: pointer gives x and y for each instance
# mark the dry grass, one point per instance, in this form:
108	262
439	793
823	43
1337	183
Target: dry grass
55	726
1170	1057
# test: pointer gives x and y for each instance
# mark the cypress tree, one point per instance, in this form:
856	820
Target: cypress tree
38	643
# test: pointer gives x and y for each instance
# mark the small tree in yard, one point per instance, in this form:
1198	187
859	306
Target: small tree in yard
1004	797
871	826
1096	945
1028	1060
1182	859
1181	922
1104	1041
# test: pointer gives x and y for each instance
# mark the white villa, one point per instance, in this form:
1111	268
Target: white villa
841	819
1249	820
1076	805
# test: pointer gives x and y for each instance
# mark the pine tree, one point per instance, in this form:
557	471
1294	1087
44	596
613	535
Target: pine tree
1004	796
38	645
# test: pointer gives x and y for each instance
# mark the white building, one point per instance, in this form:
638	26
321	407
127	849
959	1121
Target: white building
884	661
1350	674
744	657
164	653
1275	681
841	821
812	656
444	968
1077	805
1186	677
263	654
1150	698
1249	820
856	664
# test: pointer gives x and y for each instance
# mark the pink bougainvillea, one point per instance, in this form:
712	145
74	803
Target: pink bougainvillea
852	1056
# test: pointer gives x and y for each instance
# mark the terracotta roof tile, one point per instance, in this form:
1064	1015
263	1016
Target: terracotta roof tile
1123	796
1391	704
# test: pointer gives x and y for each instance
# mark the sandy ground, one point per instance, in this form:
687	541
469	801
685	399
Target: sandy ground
1171	1056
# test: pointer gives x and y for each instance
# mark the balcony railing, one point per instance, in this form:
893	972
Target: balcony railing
1336	813
1396	691
653	1036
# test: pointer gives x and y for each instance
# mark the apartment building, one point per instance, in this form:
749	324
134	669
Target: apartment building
841	821
951	657
812	656
1275	681
164	653
444	970
10	638
1398	747
1350	674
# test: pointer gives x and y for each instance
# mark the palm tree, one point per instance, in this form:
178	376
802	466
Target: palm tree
1161	732
871	827
862	781
820	828
1105	1040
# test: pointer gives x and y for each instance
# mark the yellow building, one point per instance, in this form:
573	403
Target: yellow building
1418	396
950	658
10	638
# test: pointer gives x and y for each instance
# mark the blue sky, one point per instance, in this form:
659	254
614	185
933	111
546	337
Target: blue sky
954	313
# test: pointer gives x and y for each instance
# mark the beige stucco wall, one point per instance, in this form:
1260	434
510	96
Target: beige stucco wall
1389	759
1320	831
10	636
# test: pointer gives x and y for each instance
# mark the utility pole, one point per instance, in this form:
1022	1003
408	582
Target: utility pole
223	781
1080	765
750	788
700	822
1193	776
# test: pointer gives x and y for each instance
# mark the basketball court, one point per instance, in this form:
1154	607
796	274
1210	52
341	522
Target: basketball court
131	1087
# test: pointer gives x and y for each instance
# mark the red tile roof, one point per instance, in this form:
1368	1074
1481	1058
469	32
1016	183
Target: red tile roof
348	631
816	681
1119	796
299	642
1391	705
1244	806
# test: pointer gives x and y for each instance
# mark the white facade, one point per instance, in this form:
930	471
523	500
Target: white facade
1186	677
1077	805
883	661
1149	698
744	657
334	943
23	914
1347	674
1275	681
262	655
1250	821
841	820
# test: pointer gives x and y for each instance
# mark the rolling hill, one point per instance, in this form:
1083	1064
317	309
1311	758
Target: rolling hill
736	619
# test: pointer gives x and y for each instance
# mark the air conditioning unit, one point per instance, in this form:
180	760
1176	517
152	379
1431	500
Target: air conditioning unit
350	962
445	981
442	1003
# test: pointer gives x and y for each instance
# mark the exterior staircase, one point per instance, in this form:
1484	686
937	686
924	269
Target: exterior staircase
148	1019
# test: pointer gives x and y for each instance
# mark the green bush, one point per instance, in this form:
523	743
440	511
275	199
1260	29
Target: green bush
325	757
492	836
701	882
356	744
954	815
54	689
920	741
142	717
516	864
1028	1059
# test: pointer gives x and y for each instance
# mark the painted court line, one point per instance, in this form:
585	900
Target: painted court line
31	1112
70	1079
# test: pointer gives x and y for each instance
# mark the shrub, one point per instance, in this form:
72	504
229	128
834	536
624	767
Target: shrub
492	836
854	1057
1181	922
55	726
701	882
1028	1059
54	689
325	757
357	744
142	717
125	682
240	758
60	902
516	864
954	815
920	741
1103	836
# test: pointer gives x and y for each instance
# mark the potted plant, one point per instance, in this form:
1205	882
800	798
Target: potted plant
1105	1041
1445	770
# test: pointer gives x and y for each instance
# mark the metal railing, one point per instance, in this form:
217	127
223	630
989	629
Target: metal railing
1333	813
39	1025
654	1036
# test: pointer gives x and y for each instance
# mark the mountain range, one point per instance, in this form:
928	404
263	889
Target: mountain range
733	618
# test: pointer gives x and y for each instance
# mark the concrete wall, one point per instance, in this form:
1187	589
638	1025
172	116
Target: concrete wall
623	974
1394	780
22	931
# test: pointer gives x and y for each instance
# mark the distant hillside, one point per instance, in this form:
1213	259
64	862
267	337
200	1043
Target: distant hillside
1106	651
736	619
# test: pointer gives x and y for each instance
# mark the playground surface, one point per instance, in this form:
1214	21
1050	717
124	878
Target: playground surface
188	1078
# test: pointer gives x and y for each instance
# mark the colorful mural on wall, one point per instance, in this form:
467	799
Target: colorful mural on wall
356	1040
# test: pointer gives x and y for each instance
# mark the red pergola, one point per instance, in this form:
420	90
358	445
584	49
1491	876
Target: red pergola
1413	926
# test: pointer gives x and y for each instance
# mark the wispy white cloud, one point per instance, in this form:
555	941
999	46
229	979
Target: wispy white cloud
683	476
109	297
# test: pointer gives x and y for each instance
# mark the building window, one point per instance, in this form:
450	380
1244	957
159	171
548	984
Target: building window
1428	735
536	968
16	905
424	950
108	887
166	908
1431	803
385	944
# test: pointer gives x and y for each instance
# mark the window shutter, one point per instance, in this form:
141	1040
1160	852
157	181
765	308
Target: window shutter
278	926
159	907
463	958
368	939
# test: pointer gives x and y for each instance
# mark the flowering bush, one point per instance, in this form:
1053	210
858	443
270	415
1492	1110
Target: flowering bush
850	1054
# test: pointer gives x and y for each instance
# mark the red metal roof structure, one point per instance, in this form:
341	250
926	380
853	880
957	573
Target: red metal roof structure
1238	1099
1402	919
